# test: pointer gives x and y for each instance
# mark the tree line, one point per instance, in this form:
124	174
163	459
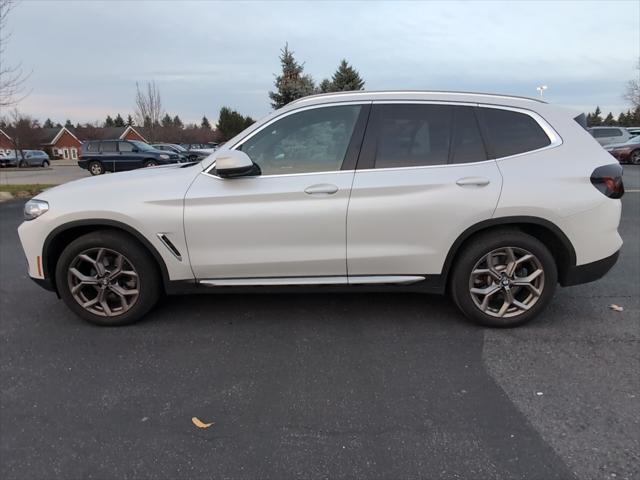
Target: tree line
630	118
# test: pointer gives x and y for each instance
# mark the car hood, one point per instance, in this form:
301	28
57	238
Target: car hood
112	188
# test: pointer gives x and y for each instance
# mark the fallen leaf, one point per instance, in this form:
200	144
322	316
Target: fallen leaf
199	423
615	307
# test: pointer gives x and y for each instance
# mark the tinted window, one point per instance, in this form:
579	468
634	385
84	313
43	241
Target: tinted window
109	147
314	140
511	132
467	140
125	147
411	135
91	146
607	132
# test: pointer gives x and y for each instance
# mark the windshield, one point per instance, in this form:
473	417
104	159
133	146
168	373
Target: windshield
143	147
634	140
178	148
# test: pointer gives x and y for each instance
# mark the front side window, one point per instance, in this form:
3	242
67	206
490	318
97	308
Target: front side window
125	147
411	135
511	133
313	140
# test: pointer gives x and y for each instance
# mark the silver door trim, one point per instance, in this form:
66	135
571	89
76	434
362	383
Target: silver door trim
328	280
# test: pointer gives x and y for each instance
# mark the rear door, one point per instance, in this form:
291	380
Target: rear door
109	155
423	177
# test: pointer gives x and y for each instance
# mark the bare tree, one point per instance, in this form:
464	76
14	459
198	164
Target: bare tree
24	132
149	111
12	77
633	89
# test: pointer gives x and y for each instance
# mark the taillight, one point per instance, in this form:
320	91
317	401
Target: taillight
608	180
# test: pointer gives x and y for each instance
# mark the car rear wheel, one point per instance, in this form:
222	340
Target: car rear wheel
150	163
108	278
96	168
23	164
635	157
503	278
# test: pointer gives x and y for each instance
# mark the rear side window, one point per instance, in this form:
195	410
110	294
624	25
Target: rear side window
109	147
467	141
511	133
412	135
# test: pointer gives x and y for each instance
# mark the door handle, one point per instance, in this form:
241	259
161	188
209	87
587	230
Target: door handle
473	182
321	188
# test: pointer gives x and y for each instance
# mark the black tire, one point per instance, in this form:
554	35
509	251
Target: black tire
150	163
45	164
95	168
148	280
634	158
478	248
22	164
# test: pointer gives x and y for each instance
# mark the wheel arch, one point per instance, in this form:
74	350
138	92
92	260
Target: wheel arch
547	232
61	236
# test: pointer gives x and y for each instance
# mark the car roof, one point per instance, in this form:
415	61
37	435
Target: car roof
606	126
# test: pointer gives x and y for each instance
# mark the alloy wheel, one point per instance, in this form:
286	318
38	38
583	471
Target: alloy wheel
96	168
635	157
506	282
104	282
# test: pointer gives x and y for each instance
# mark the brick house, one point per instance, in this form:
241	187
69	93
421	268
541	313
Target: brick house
109	133
60	143
6	144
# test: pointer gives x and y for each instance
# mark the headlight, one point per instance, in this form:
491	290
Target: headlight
164	157
35	208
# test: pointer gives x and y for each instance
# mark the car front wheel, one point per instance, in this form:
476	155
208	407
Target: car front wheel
635	157
503	278
108	278
45	164
96	168
150	163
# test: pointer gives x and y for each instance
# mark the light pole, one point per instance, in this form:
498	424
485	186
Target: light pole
541	89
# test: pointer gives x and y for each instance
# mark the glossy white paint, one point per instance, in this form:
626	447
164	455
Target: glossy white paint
369	226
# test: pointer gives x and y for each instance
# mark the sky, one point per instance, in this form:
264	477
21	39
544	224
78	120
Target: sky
86	56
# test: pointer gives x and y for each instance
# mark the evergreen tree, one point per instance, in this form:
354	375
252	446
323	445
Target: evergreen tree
118	121
68	124
205	123
166	120
634	117
292	83
609	120
130	122
177	122
622	119
325	86
346	78
594	119
108	122
230	123
47	123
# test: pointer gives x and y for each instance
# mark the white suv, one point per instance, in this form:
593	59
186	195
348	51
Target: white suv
494	199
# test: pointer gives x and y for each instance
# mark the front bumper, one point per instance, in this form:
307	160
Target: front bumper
588	272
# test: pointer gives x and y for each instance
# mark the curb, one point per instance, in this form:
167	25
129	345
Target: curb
5	196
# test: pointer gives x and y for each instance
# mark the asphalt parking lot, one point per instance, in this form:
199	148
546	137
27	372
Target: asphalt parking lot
322	386
55	174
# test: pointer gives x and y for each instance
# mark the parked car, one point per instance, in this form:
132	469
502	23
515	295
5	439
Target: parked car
8	159
190	155
25	158
627	152
494	199
634	131
202	148
608	135
99	156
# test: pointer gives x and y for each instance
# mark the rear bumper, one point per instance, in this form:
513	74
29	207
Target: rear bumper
589	272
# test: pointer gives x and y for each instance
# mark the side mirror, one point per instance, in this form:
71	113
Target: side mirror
234	163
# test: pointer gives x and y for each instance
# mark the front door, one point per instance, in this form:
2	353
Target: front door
423	177
286	225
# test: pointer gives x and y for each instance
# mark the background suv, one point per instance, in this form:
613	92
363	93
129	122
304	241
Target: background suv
99	156
491	198
608	135
190	155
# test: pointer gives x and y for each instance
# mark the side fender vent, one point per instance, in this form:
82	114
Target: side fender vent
172	248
